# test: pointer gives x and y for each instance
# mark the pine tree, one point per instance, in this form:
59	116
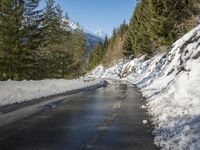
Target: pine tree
114	33
31	56
52	42
61	56
79	52
66	16
127	46
11	16
106	42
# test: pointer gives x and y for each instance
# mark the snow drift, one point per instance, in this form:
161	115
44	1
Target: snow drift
171	84
20	91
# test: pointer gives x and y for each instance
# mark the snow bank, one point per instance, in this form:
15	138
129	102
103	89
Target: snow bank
171	84
20	91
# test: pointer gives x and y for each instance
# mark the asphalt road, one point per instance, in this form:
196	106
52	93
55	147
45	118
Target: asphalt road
107	118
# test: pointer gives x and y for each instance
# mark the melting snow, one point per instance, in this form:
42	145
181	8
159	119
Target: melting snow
171	84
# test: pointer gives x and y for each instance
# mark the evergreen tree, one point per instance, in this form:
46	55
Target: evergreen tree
63	49
31	55
53	38
79	52
11	16
114	33
66	16
106	42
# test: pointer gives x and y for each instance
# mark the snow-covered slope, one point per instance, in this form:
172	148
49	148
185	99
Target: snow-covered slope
171	84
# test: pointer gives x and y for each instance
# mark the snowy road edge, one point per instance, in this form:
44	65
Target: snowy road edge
27	111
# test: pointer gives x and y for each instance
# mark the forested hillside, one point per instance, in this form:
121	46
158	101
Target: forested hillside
154	26
111	49
34	43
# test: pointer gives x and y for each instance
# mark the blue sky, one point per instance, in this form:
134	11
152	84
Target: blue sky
98	14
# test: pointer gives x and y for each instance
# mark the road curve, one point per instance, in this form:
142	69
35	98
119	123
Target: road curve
108	118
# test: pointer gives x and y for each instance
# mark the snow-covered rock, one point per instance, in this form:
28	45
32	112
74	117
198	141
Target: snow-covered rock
171	84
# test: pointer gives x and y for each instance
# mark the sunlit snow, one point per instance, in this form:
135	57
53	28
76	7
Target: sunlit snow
171	83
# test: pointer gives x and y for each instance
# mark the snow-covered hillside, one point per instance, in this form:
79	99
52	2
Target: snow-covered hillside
171	84
20	91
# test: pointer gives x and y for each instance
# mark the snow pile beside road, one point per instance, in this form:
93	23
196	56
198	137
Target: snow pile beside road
97	72
20	91
171	84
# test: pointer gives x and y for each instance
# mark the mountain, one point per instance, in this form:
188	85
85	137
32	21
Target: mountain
91	41
91	38
100	33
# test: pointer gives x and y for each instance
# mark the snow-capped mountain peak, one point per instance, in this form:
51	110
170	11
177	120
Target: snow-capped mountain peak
71	24
100	33
91	38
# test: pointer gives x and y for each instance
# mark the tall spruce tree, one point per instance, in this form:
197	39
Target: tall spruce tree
78	50
11	16
58	57
31	55
52	38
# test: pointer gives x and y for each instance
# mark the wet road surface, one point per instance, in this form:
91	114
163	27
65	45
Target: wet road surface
108	118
